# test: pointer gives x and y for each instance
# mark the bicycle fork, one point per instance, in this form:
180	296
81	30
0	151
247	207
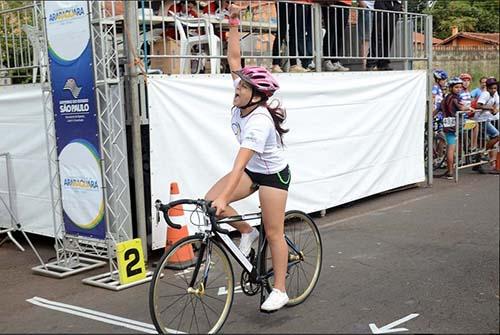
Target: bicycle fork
200	290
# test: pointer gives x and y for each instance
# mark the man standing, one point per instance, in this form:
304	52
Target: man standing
384	24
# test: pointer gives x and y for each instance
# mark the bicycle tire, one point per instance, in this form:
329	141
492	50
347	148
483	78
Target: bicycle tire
439	158
171	280
299	228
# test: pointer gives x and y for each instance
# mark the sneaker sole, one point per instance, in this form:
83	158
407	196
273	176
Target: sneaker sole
271	311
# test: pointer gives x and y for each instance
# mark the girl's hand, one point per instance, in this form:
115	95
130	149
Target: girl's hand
220	204
234	11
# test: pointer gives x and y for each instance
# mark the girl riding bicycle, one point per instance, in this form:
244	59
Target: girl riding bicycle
259	164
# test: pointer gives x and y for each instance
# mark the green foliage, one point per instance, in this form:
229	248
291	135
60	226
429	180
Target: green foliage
14	48
466	15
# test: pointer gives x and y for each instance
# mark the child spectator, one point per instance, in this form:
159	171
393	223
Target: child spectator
440	77
450	106
465	95
488	105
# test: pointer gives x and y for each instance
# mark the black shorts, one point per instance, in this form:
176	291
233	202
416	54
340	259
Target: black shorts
279	180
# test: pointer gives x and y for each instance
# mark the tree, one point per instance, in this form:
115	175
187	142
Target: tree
466	15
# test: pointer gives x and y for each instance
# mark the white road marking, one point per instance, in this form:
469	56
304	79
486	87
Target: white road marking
223	290
186	271
94	315
388	328
376	211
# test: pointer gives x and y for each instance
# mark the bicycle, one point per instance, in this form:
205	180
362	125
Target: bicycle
193	285
438	145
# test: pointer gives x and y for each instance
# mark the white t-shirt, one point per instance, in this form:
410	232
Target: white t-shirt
256	131
487	100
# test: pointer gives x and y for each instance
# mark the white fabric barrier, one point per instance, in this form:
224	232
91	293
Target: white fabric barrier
351	135
22	129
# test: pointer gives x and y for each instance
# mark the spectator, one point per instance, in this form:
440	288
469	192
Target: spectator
364	26
450	106
478	90
465	95
488	105
295	26
384	25
335	20
440	77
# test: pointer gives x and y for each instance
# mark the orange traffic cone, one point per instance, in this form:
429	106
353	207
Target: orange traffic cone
185	254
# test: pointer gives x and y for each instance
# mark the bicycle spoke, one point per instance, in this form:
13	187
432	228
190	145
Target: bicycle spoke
218	299
182	313
194	316
179	287
205	310
221	274
165	309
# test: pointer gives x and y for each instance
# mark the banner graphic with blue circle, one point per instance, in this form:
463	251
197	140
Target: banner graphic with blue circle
75	113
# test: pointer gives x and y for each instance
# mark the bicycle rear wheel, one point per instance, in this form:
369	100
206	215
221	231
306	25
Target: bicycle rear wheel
176	306
305	254
439	151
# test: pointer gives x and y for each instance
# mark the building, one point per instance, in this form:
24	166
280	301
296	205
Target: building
471	40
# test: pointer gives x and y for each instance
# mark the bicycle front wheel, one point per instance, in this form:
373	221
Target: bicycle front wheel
305	254
187	297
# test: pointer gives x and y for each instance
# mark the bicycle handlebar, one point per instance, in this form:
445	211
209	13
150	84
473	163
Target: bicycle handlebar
204	204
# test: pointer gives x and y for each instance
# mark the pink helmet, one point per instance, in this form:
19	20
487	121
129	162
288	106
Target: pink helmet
260	78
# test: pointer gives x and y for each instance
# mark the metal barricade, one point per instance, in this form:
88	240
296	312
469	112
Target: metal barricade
186	36
21	38
475	145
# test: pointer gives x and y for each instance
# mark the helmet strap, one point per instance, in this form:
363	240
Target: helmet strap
250	103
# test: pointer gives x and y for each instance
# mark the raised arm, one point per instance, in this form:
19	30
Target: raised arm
233	42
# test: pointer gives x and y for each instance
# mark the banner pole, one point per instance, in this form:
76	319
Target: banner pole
131	29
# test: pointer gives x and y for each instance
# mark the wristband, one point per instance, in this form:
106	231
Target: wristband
234	22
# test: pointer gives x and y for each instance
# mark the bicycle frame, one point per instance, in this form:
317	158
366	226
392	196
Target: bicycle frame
254	271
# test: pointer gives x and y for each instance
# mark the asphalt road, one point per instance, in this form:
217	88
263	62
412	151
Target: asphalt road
427	251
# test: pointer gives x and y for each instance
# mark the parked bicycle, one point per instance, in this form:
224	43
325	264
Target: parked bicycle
193	285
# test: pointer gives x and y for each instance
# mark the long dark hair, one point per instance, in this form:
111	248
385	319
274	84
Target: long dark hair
278	113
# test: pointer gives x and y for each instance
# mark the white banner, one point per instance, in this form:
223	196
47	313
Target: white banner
351	135
22	129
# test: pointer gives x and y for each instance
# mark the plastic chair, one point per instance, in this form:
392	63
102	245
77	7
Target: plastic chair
186	26
36	39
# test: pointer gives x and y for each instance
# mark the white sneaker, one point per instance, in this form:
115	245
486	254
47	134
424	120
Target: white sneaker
275	301
329	66
340	67
246	241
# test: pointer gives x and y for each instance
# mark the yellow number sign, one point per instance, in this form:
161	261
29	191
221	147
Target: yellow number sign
130	261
